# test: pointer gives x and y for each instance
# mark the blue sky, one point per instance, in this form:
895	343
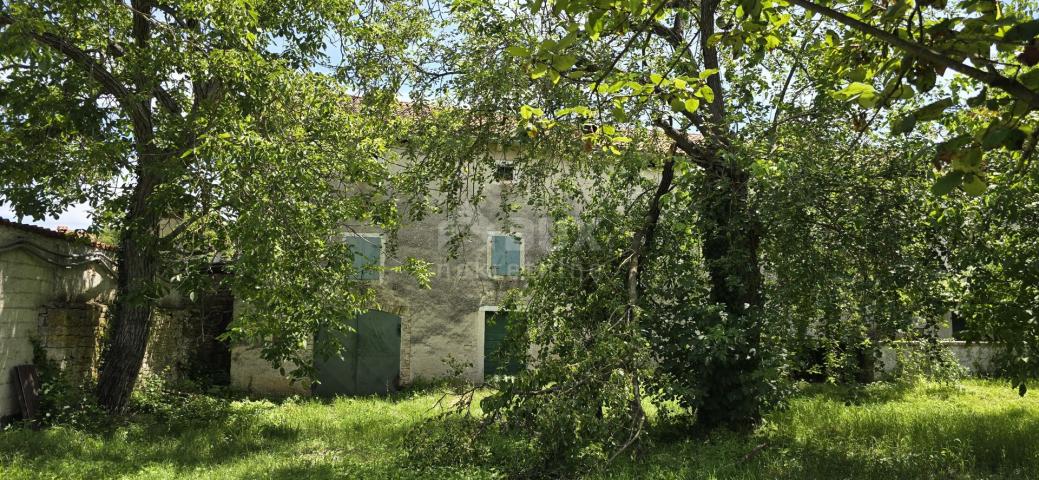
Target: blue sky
77	216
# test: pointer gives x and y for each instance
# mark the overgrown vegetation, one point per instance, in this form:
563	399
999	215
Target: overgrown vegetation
744	192
977	429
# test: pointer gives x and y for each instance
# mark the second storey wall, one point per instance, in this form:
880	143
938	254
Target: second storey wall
441	326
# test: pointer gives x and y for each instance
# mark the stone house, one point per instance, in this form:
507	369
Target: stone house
450	328
55	290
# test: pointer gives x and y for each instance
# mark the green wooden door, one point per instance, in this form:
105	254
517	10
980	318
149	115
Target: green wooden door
495	332
371	359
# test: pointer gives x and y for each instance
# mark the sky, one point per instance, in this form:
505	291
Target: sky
77	216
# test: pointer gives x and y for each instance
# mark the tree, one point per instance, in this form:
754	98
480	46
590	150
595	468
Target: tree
740	89
197	129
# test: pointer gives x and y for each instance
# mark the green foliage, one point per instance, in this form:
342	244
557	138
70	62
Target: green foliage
794	223
992	249
199	134
925	361
64	399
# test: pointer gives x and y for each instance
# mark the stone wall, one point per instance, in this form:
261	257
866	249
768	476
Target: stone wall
71	334
55	290
251	373
49	281
977	358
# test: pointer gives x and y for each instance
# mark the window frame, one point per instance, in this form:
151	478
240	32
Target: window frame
490	254
382	252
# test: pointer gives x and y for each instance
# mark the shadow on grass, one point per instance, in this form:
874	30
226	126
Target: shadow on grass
232	440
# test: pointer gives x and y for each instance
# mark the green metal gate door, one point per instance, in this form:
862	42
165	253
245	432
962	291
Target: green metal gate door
371	358
495	332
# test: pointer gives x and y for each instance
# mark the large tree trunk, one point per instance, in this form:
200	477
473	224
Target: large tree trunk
732	386
135	298
128	336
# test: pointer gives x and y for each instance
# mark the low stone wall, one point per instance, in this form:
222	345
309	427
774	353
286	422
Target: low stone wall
72	334
976	358
55	291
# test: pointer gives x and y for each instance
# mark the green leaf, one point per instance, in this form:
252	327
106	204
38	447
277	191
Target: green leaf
568	40
707	73
656	78
904	124
539	71
563	62
1022	32
1030	79
947	182
868	100
933	111
968	160
518	51
1001	136
680	84
974	185
677	105
925	80
526	111
706	93
553	76
854	89
635	7
691	104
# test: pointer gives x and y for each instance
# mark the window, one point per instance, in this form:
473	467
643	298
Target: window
505	254
367	251
504	172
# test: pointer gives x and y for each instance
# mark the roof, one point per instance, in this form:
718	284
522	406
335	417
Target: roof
71	235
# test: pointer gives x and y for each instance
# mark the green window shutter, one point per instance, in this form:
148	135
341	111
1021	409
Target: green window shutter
505	255
367	251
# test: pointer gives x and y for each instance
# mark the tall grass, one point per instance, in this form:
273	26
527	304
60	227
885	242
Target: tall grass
976	430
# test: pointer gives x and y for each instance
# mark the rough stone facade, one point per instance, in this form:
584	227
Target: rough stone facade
71	334
444	324
441	326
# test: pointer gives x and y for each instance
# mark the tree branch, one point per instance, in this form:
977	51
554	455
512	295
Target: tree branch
708	12
692	148
167	101
137	111
1013	87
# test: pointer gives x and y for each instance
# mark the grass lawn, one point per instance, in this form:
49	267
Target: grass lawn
976	430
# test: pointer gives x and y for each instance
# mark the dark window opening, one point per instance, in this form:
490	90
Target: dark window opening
959	326
505	172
